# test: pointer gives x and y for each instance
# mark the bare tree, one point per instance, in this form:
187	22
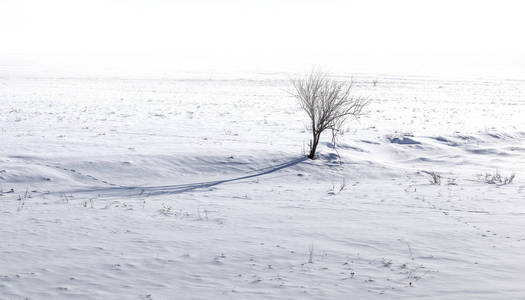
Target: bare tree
327	102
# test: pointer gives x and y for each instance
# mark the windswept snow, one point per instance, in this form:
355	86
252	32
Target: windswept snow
197	188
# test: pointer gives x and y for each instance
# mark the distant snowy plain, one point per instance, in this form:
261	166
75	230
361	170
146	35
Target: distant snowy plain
196	187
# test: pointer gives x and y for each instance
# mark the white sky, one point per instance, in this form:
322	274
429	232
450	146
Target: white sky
446	38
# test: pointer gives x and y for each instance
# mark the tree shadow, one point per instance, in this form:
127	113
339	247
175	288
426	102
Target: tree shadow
181	188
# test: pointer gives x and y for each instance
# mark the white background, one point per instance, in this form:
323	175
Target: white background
445	38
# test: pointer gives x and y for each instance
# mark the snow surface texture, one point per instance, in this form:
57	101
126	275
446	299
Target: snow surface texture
194	188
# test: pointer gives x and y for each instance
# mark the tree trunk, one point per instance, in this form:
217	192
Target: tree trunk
313	147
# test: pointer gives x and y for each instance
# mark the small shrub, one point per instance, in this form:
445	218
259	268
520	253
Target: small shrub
334	190
434	177
451	181
497	178
311	254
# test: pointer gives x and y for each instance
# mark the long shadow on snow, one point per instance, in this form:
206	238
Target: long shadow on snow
181	188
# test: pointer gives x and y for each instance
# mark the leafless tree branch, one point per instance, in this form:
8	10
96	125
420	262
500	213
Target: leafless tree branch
327	102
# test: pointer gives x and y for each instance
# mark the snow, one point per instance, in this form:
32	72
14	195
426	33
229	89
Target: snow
196	187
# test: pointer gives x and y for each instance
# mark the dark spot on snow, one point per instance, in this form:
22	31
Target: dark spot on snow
446	141
403	140
487	151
